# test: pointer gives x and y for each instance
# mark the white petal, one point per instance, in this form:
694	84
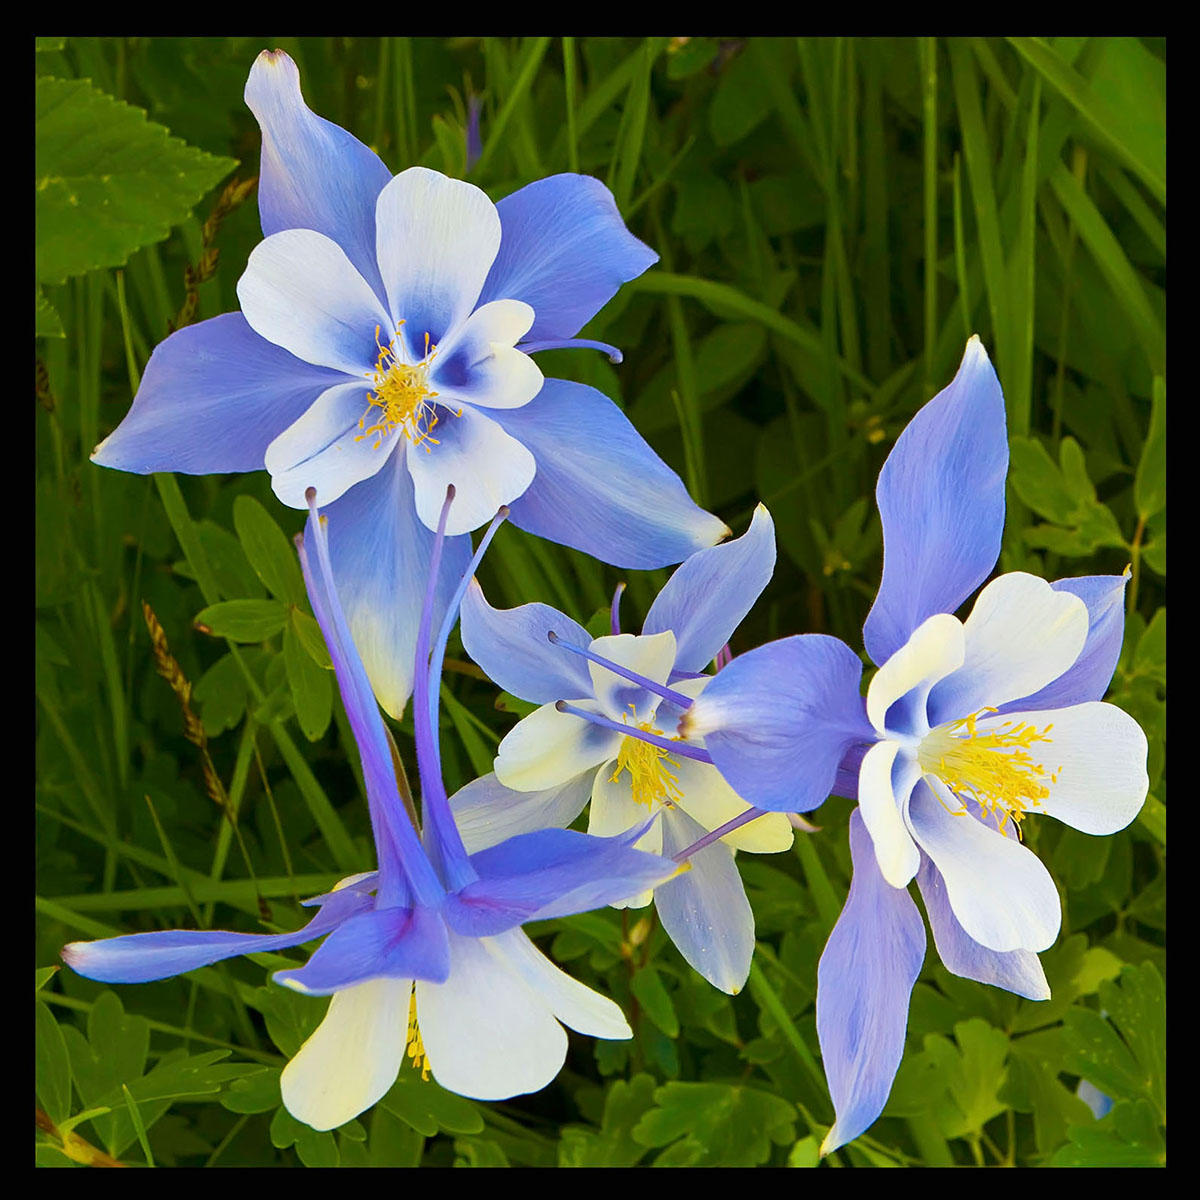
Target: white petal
576	1005
652	656
436	239
710	802
882	795
300	291
326	449
1098	754
705	911
487	466
480	364
549	748
1020	636
487	1033
1000	892
352	1058
934	650
613	811
487	813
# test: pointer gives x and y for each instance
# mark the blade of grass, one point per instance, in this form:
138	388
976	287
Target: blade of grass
1076	90
531	56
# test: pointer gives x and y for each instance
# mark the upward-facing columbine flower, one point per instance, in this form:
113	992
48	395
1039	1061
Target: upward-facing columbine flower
382	352
969	727
599	734
424	955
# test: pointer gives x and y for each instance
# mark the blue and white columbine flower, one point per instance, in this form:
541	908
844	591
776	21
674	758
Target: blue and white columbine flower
967	729
382	353
424	956
599	735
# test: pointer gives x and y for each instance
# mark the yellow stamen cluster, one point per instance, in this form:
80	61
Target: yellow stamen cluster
651	779
415	1048
401	395
994	768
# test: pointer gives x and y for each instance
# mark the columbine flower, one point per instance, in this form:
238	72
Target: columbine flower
424	956
599	734
382	352
969	727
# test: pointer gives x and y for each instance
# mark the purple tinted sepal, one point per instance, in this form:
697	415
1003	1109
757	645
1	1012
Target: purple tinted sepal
513	648
552	873
941	498
1089	677
864	981
777	720
564	250
143	957
706	599
396	943
599	487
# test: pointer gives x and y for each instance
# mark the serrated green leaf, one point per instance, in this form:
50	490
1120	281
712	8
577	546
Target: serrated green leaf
732	1126
312	688
613	1144
428	1108
973	1074
108	180
269	552
1127	1137
315	1148
243	620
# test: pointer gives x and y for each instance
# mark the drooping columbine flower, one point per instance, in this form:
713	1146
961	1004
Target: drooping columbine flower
969	727
599	734
382	352
425	955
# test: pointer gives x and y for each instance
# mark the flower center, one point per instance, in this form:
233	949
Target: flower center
401	396
993	767
650	776
414	1047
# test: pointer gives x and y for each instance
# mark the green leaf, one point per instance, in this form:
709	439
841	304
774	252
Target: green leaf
221	694
243	620
719	1124
311	638
42	976
269	552
613	1145
428	1108
1127	1137
1150	482
1125	1054
46	320
52	1064
253	1093
315	1148
973	1074
647	986
108	180
312	688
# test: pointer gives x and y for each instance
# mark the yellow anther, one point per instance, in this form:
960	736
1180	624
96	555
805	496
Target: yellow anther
650	777
414	1047
401	397
993	767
